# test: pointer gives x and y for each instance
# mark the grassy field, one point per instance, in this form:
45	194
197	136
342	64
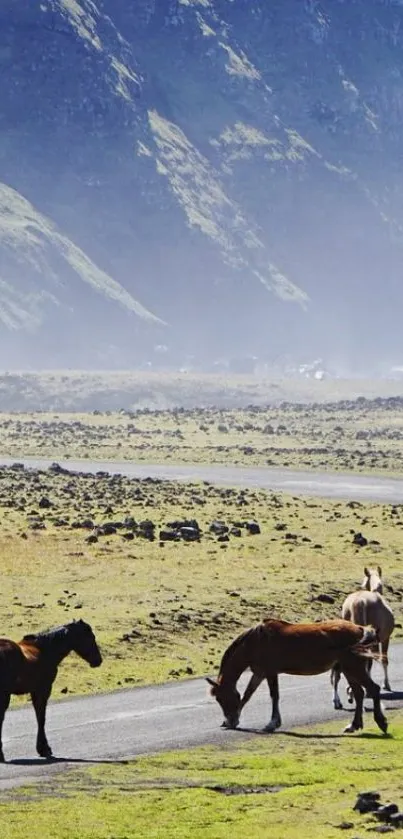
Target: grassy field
361	436
167	609
301	784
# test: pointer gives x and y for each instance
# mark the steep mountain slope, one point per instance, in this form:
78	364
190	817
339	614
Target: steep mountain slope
174	169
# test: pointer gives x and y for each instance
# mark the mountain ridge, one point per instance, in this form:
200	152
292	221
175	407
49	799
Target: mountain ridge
231	170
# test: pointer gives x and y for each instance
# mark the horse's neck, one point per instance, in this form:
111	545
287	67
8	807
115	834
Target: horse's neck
236	663
54	647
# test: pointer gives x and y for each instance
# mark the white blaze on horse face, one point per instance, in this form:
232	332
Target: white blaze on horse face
373	580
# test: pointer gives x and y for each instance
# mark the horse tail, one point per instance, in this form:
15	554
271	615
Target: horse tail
365	647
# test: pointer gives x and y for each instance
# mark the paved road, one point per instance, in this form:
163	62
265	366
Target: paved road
145	720
324	484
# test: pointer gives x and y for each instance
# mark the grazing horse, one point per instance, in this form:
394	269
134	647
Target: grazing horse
275	646
30	666
368	606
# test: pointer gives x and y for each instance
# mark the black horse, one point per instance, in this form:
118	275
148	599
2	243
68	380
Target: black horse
30	666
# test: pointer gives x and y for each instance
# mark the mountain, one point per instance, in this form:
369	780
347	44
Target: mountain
218	177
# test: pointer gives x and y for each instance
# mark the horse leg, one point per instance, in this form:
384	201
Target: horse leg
350	694
253	684
335	679
275	721
385	663
358	693
4	703
357	675
374	691
39	701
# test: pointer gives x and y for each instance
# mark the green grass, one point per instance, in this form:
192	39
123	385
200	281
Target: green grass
296	785
168	611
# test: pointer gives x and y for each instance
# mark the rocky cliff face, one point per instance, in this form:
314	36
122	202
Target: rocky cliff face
177	169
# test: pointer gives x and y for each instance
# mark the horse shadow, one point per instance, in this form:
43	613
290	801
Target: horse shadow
302	735
43	761
263	733
392	695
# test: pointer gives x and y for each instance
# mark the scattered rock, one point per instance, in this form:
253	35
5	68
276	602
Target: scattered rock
236	531
252	527
367	802
107	529
190	534
169	536
324	598
218	528
147	530
386	811
396	820
359	539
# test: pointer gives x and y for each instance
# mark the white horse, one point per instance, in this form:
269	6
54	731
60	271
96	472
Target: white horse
368	607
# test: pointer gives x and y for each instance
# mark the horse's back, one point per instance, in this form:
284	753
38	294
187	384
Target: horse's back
304	648
11	662
369	607
331	633
15	661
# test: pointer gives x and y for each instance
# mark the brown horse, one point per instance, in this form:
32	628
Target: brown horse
276	646
30	666
367	606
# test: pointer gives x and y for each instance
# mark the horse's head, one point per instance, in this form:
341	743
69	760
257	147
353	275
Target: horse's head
229	701
83	643
373	580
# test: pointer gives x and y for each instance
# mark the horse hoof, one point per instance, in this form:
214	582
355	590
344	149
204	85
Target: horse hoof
271	727
338	706
45	753
351	729
2	758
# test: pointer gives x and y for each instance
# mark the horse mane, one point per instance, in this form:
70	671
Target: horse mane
47	636
233	647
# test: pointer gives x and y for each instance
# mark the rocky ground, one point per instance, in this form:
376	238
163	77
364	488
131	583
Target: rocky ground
361	435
